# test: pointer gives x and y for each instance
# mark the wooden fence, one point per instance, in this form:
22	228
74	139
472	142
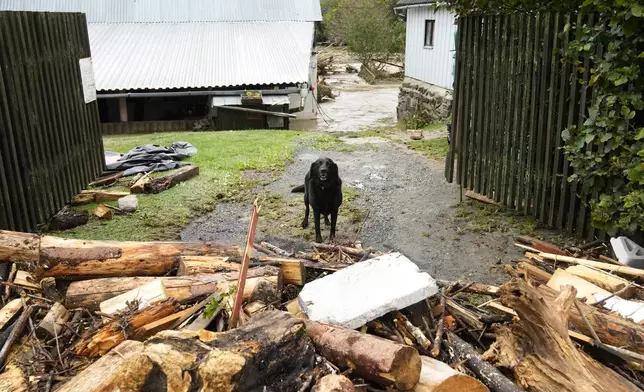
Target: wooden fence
513	97
50	143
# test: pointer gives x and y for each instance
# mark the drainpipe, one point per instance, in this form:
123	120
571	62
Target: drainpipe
217	93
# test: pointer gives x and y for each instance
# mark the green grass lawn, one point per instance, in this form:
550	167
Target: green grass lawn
222	158
436	148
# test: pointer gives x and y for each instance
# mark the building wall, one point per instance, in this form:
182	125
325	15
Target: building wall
432	65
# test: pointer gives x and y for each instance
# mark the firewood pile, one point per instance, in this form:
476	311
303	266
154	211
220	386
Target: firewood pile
141	316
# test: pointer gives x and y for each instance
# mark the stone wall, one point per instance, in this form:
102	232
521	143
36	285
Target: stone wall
427	102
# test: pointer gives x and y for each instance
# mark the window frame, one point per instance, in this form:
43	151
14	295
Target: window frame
430	32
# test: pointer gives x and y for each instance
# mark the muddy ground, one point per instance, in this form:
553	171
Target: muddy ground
395	198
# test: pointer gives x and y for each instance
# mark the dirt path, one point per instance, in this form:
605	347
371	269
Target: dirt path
401	196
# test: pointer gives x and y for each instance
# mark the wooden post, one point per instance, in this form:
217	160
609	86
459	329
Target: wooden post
123	109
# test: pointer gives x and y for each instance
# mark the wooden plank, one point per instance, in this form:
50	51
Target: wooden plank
551	131
9	311
26	280
160	325
523	146
545	55
494	147
481	86
532	117
463	31
453	148
516	107
507	92
467	110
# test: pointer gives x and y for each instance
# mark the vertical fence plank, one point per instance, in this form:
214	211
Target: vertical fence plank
458	116
488	140
449	161
551	132
465	136
496	141
472	150
506	108
481	56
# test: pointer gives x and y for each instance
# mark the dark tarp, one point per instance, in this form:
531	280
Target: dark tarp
151	158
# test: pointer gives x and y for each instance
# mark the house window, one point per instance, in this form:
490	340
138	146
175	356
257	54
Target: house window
429	32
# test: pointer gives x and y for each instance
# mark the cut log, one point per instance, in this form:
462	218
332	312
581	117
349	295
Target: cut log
636	272
350	251
169	180
334	383
90	293
437	376
97	196
376	359
491	376
592	294
534	273
13	380
103	211
140	184
115	332
18	247
293	271
108	179
112	372
271	352
539	351
9	312
294	309
608	282
470	287
144	296
68	218
541	246
467	315
276	250
54	321
26	280
83	259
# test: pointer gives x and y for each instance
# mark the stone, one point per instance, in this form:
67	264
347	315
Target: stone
365	291
128	203
334	383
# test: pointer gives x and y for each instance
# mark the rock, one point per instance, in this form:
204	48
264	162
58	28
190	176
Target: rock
68	218
128	203
365	291
334	383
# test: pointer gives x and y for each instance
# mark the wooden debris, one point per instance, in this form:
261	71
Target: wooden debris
15	333
116	331
541	246
241	282
622	269
97	196
379	360
345	249
68	218
26	280
470	287
276	250
538	350
12	379
293	307
418	335
272	351
141	184
160	325
478	197
144	296
112	372
90	293
334	383
293	270
107	179
491	376
103	211
608	282
437	376
52	324
9	312
467	315
148	185
534	273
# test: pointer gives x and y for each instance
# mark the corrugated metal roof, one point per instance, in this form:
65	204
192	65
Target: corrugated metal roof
404	3
131	56
151	11
271	100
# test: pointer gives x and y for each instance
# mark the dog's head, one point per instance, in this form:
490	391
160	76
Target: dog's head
324	171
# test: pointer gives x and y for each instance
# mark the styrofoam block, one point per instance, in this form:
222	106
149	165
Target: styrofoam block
628	252
365	291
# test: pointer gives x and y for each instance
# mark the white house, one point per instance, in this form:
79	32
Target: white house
165	62
429	59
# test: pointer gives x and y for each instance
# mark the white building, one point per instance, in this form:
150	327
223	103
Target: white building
164	61
429	59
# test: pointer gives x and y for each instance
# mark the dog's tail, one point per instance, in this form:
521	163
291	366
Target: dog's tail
298	189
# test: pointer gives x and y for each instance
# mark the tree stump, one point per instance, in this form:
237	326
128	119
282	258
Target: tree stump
539	351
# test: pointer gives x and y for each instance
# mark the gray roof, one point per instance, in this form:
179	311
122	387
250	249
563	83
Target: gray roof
405	3
132	56
142	11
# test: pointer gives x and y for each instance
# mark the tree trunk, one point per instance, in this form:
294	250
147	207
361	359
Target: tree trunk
52	324
114	332
293	271
270	353
376	359
169	180
19	247
611	328
437	376
491	376
81	259
539	351
112	371
90	293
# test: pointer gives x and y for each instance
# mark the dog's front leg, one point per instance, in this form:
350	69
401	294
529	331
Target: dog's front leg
318	234
305	221
334	221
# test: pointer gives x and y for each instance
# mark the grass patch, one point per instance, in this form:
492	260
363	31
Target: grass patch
222	158
487	218
327	142
436	148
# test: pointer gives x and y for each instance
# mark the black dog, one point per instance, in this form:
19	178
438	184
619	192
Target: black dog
323	191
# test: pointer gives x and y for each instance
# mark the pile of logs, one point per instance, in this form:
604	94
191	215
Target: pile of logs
98	315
